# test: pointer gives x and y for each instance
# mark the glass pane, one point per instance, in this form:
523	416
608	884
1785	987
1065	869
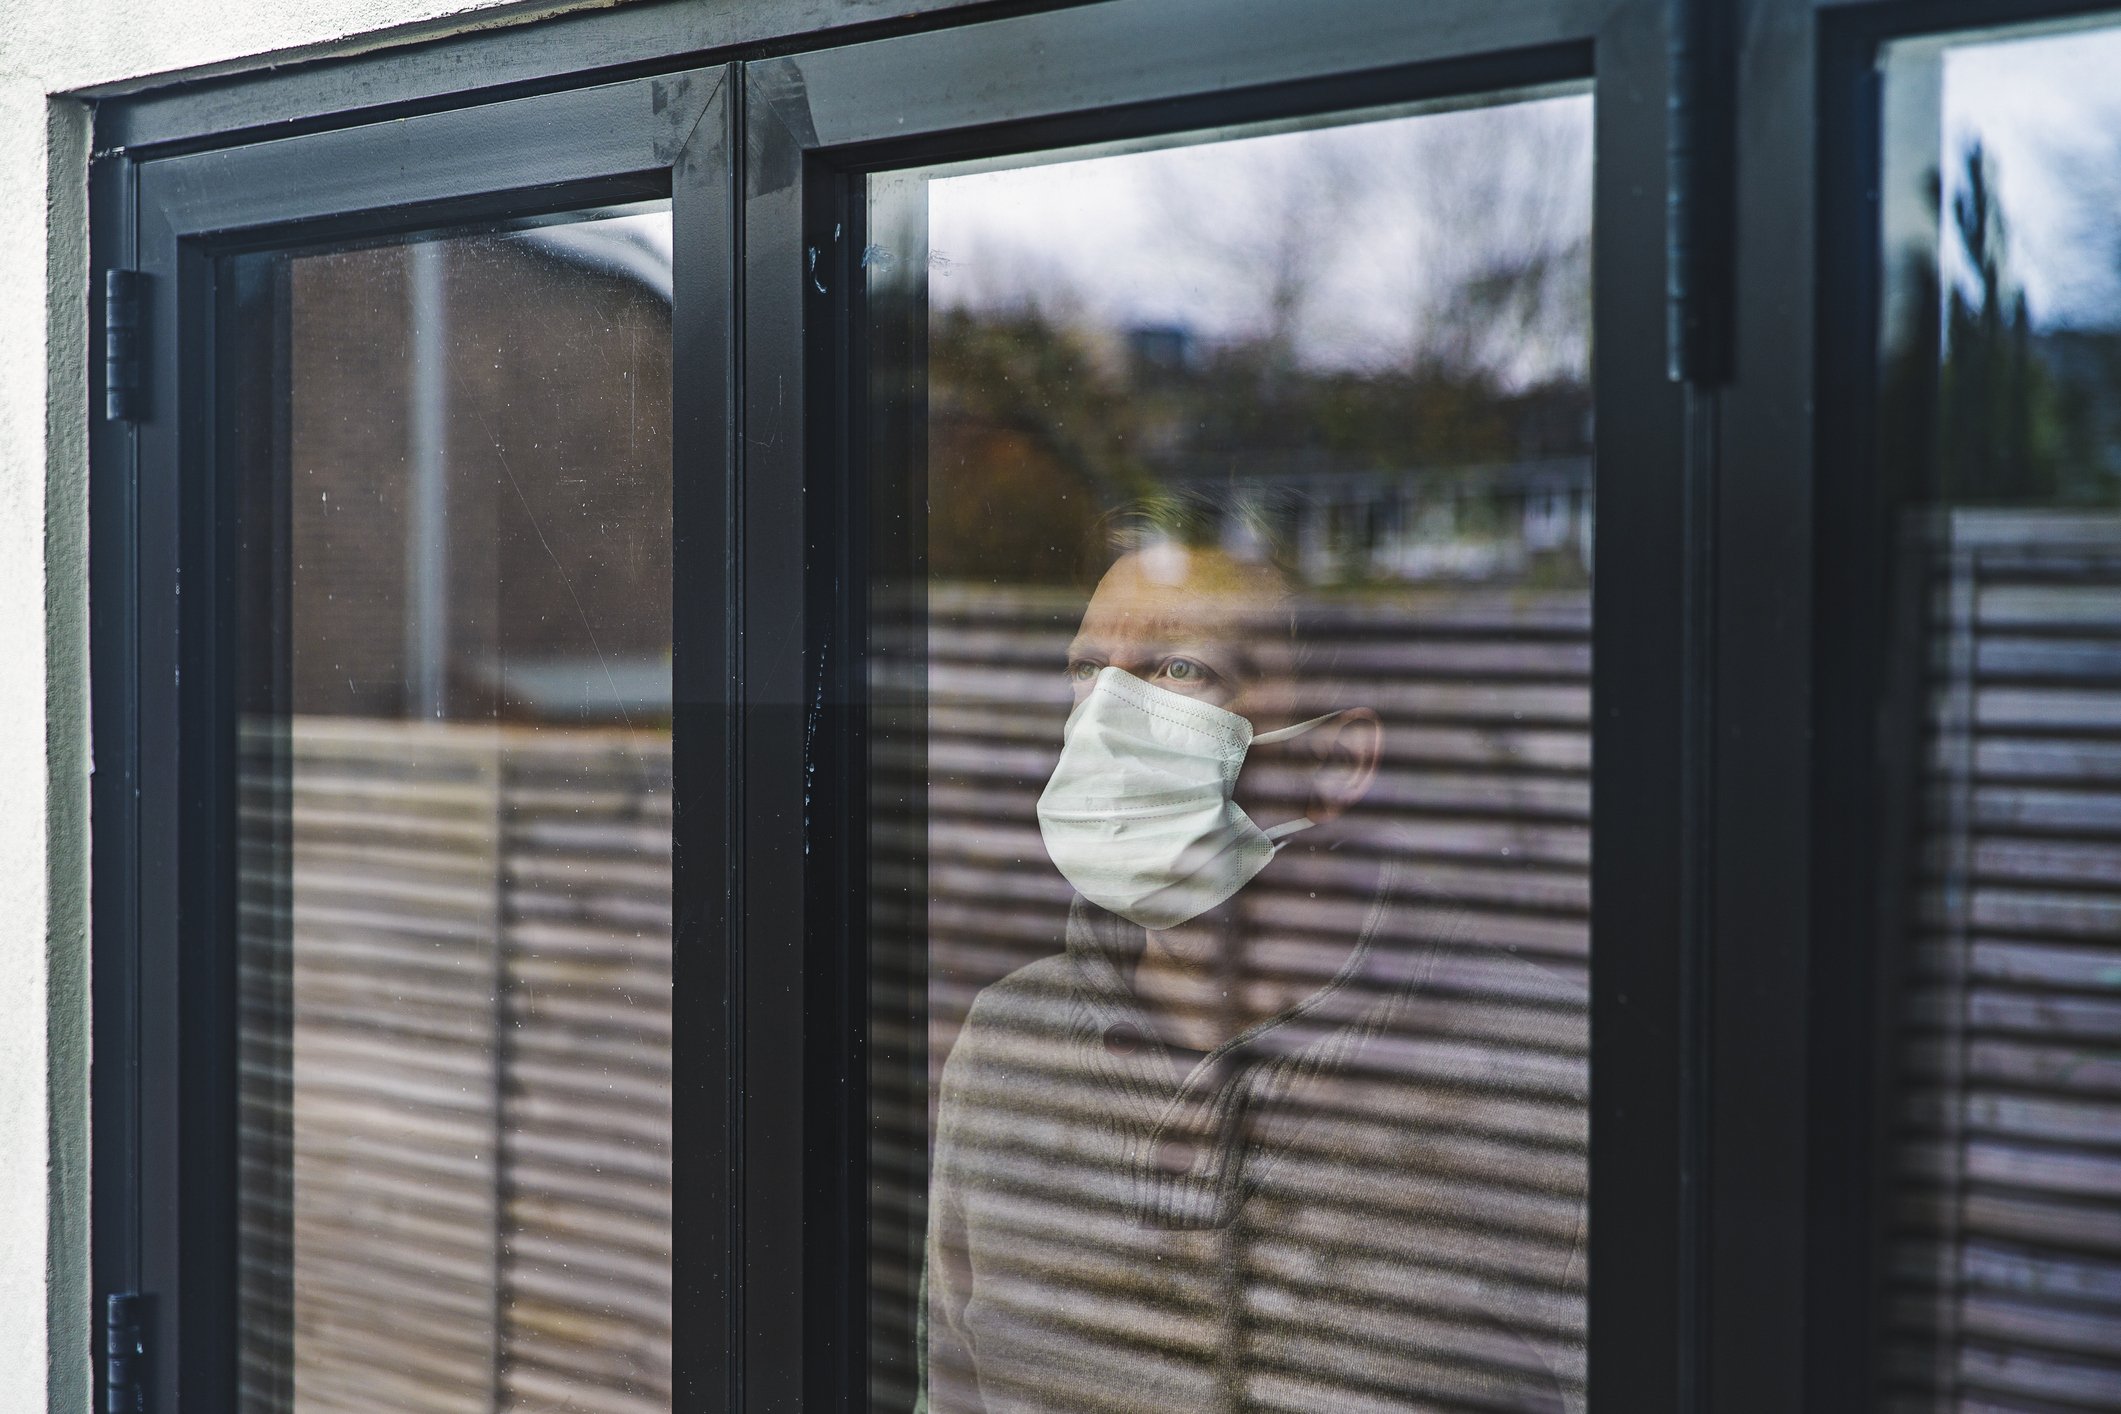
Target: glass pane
2002	381
451	458
1230	641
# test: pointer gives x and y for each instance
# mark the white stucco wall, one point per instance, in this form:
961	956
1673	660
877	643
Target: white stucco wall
48	49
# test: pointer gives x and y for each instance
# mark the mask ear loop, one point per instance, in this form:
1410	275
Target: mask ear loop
1279	834
1284	733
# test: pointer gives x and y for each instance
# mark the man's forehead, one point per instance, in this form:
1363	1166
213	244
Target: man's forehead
1173	591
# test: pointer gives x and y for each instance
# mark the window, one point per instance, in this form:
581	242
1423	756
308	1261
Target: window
1999	365
453	810
1048	350
1229	858
396	1086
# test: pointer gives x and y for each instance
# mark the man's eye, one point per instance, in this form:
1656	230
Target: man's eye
1185	670
1081	670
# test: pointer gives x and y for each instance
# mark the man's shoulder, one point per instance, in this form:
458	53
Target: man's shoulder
1037	992
1018	1024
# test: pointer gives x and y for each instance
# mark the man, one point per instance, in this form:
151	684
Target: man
1229	1150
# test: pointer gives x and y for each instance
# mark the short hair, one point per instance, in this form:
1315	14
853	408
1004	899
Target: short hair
1251	524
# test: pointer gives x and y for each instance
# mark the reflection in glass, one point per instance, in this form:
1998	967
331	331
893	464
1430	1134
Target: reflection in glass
2002	388
452	463
1231	654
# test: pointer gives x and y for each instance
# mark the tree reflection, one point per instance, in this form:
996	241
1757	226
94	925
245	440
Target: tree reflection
1398	329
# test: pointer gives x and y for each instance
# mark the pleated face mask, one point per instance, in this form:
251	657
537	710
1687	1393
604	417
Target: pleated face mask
1139	815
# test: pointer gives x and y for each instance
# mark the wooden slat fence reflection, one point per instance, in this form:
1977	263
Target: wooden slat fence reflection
479	1102
1484	796
2006	1252
477	1108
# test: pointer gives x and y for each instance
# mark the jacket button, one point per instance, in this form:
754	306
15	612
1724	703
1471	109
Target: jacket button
1175	1156
1123	1040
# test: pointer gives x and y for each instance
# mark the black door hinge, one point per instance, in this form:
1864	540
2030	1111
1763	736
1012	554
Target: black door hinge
124	353
125	1353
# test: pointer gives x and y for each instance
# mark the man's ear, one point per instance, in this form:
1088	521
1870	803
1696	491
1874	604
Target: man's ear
1348	750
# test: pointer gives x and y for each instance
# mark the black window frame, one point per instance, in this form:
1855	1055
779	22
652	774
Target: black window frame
1860	678
163	1091
815	122
1737	1075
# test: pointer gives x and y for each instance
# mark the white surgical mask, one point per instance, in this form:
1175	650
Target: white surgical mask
1139	815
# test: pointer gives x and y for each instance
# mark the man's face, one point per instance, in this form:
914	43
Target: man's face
1205	624
1192	621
